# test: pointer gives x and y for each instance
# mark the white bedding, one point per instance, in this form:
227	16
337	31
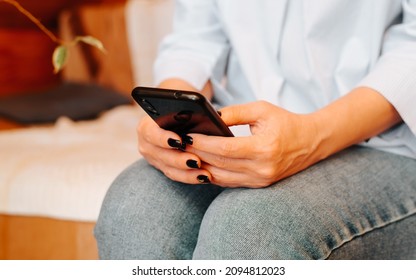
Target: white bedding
63	171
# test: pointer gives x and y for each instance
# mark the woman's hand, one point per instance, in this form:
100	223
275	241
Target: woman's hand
164	150
281	144
285	143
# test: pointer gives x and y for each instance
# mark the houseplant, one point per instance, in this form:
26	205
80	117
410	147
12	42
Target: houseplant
46	102
60	54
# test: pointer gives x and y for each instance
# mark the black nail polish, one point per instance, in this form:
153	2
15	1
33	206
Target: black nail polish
192	163
183	146
174	143
203	179
188	140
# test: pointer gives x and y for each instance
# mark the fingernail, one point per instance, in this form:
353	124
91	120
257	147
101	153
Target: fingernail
192	163
188	140
174	143
203	179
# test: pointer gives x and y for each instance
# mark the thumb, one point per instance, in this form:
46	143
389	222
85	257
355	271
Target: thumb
248	113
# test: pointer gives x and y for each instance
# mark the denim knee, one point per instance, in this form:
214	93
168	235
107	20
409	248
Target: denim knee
145	215
313	213
111	230
240	224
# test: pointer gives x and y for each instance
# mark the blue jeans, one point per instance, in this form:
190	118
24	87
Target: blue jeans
357	204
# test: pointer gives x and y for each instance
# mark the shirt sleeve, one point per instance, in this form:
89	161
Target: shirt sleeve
194	48
394	75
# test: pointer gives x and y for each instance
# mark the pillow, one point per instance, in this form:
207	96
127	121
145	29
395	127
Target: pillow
74	100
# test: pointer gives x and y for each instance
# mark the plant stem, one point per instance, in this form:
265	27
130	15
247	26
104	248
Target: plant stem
35	21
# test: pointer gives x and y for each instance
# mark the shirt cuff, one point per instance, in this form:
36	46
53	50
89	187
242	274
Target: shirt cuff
395	79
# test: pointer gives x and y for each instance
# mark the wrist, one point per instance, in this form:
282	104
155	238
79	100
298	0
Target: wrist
359	115
323	128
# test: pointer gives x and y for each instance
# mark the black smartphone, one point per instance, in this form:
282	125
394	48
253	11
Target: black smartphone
181	111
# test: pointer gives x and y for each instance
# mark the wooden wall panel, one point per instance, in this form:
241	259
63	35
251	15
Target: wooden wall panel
107	23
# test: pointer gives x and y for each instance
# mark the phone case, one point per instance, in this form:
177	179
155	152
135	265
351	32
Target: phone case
181	111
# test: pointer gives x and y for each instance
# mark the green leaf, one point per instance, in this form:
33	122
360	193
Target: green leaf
59	57
91	41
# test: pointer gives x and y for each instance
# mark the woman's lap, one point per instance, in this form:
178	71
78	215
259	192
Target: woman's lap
314	213
147	216
357	198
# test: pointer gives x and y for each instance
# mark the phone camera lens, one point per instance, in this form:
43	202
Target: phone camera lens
149	107
177	94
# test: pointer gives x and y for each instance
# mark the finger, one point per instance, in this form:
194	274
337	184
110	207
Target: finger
245	113
228	163
231	179
171	157
190	176
178	159
232	147
148	131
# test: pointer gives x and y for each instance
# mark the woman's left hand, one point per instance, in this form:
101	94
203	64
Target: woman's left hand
282	143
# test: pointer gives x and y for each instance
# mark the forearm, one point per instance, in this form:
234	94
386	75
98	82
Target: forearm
183	85
355	117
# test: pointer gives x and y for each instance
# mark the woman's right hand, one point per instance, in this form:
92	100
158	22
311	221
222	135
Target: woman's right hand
165	151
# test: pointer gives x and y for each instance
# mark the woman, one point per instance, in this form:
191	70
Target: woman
311	79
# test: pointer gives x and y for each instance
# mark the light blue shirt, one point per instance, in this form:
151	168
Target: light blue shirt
299	54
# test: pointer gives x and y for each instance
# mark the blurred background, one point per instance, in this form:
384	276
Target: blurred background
26	51
64	137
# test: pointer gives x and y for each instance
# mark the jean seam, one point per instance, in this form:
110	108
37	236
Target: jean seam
369	231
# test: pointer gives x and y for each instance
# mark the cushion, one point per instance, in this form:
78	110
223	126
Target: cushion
74	100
